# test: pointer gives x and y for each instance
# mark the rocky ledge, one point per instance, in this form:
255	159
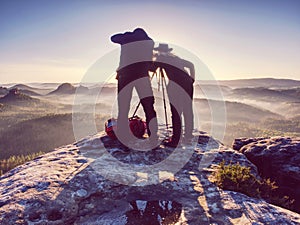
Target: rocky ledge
277	158
94	182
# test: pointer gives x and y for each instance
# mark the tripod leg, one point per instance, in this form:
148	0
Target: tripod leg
163	83
137	107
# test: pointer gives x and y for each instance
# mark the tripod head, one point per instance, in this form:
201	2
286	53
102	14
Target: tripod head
159	73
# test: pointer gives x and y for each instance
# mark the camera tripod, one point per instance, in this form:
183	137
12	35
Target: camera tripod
161	81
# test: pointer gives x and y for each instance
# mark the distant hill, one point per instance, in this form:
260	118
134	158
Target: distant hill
288	109
15	97
82	90
28	90
65	88
235	111
23	87
211	91
41	134
260	82
3	90
68	89
45	133
105	90
293	92
266	94
30	93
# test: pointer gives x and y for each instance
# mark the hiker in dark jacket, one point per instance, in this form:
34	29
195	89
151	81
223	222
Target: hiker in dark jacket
180	92
135	59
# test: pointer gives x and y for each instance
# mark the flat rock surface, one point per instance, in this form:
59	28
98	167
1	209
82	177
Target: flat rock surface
93	181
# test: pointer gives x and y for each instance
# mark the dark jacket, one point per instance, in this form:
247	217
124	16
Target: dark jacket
175	68
136	53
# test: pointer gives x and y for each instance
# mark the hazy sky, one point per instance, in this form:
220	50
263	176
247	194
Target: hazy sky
58	40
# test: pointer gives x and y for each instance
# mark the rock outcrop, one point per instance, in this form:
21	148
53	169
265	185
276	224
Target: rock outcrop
3	90
277	158
15	97
27	90
65	88
94	182
68	89
82	89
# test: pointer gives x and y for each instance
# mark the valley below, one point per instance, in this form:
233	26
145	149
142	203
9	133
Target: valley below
38	117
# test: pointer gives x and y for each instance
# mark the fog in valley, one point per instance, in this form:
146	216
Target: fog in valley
41	116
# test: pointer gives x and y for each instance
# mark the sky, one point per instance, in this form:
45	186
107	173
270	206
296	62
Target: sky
59	40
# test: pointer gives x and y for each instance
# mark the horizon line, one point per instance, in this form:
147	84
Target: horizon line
76	82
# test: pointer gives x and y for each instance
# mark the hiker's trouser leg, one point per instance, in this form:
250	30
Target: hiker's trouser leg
124	97
144	90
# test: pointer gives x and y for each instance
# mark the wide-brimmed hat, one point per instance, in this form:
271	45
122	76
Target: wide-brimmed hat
140	34
163	48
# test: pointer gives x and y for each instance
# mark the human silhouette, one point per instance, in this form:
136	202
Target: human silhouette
135	60
180	92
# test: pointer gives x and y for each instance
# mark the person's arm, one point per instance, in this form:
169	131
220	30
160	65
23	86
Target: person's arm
191	67
155	62
153	66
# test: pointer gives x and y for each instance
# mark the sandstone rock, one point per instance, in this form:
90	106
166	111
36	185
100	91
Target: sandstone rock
240	142
277	158
65	88
3	91
94	182
15	97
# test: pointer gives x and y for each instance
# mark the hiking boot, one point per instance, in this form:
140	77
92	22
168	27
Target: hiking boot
171	143
156	148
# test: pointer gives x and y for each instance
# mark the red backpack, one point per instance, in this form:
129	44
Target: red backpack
110	126
136	125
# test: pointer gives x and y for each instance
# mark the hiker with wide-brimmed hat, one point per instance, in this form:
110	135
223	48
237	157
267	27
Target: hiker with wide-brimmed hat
180	91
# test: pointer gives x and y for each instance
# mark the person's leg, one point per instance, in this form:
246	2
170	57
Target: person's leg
188	113
144	90
176	124
124	96
176	111
151	120
188	120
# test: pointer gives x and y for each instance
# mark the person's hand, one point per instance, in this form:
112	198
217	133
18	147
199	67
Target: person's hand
154	57
152	67
192	80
